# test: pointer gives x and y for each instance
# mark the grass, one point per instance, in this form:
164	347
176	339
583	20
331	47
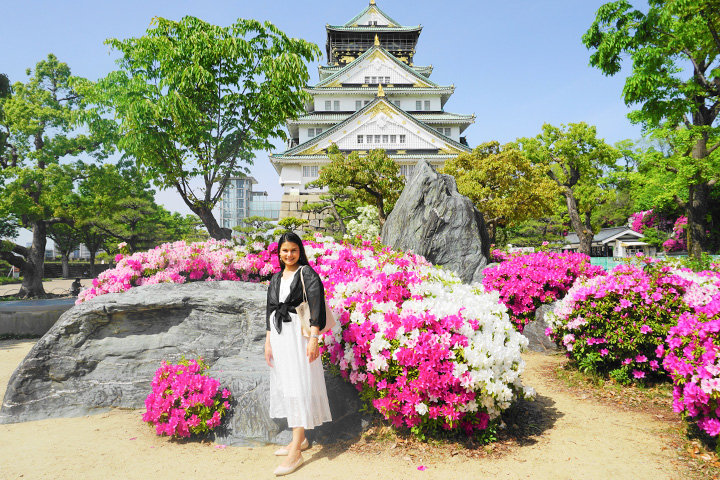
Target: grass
14	281
696	449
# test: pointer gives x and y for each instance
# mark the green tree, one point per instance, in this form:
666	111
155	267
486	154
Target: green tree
504	185
39	122
289	224
193	100
67	240
675	79
254	229
374	178
577	162
341	206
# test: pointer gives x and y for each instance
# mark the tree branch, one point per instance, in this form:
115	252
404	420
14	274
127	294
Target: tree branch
679	201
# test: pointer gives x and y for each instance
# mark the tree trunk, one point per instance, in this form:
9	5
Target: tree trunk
32	285
696	210
583	229
92	264
65	265
214	229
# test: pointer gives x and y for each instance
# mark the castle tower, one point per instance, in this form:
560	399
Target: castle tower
370	95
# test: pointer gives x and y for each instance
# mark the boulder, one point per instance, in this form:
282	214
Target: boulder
535	331
104	353
432	219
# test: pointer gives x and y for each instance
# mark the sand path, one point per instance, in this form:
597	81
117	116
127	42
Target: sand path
577	439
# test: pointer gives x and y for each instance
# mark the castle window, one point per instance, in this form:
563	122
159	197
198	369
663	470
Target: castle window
373	80
406	170
310	171
397	103
427	104
377	138
359	139
328	104
393	138
336	105
311	132
367	80
385	139
418	105
402	138
358	104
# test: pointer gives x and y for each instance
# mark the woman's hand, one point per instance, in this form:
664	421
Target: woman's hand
268	352
313	350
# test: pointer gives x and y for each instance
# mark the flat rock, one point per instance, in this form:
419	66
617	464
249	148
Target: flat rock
104	353
432	219
535	331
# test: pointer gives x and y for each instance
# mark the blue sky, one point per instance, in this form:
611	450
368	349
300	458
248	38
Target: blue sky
515	64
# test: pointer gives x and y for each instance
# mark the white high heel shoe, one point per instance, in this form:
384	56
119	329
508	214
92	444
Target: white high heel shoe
284	451
279	471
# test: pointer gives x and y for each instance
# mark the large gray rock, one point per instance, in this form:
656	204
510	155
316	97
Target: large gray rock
535	331
432	219
104	353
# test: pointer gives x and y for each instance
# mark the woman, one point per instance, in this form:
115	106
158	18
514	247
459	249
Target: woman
297	382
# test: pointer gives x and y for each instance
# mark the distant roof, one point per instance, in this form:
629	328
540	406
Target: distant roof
605	234
371	7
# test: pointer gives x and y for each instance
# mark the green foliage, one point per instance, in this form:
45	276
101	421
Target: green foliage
339	206
193	100
39	122
289	224
504	185
9	227
374	178
675	78
578	162
254	229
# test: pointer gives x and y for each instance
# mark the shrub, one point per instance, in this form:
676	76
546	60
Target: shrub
527	281
692	354
612	324
184	400
426	351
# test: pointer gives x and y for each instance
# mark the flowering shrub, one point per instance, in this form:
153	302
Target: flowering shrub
426	351
677	241
181	262
639	220
613	323
692	353
184	400
527	281
366	225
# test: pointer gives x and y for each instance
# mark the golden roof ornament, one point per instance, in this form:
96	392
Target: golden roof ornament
377	40
372	2
380	93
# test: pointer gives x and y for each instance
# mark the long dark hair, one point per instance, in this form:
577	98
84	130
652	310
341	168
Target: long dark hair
292	237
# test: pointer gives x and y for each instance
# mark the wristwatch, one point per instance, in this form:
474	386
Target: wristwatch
315	336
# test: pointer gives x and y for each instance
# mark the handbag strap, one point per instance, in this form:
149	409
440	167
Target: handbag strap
302	279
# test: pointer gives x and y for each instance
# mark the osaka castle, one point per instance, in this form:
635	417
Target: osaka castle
369	96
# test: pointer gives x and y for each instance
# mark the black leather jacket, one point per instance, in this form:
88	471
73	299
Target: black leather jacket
315	297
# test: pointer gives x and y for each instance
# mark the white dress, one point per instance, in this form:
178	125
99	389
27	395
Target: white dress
297	387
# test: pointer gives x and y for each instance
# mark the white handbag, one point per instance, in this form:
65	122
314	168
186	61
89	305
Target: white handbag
303	312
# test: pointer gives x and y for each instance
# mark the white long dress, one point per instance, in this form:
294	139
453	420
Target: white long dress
297	387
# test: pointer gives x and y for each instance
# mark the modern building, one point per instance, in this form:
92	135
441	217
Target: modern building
238	201
370	95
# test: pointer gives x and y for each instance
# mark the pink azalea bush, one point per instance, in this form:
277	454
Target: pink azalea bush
184	400
182	262
525	282
677	241
428	352
612	324
640	220
691	353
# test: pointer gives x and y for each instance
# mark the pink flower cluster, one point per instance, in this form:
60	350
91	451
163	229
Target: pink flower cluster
180	262
425	350
184	400
692	354
639	220
677	241
613	323
527	281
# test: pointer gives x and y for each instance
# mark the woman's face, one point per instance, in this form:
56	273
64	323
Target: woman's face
289	253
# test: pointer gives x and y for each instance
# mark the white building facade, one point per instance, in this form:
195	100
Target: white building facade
370	96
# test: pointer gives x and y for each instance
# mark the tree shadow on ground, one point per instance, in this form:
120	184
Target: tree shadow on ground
526	420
